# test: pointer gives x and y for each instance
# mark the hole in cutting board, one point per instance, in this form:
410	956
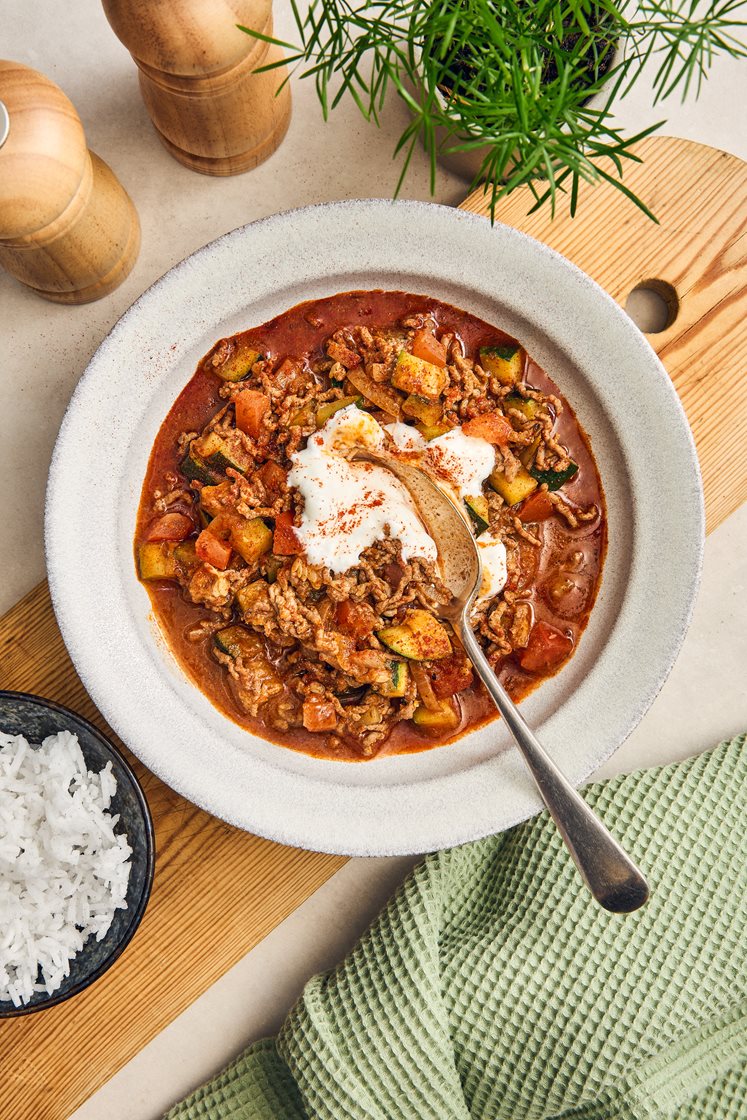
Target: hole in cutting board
653	306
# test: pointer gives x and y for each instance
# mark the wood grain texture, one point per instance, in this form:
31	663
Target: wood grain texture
699	249
218	891
211	111
68	229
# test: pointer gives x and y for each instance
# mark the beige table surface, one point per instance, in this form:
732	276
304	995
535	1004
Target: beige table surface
44	348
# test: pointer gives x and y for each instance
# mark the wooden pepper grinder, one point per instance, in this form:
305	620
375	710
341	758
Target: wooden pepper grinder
68	229
196	76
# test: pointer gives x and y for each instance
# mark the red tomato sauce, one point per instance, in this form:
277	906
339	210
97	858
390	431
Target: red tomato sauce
561	579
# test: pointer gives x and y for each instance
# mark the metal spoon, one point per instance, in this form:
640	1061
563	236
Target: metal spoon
611	876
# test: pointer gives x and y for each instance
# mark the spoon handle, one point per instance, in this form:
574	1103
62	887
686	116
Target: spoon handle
611	876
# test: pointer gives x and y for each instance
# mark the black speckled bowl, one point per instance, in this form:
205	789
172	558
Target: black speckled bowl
35	719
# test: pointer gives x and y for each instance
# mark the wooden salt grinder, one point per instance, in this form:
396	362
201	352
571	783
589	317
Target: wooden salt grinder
68	229
210	110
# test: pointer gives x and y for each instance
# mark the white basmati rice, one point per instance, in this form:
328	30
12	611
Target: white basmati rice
63	869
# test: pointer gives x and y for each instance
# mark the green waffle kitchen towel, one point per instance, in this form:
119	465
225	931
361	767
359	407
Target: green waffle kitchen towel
492	987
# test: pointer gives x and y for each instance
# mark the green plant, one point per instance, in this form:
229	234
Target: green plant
512	76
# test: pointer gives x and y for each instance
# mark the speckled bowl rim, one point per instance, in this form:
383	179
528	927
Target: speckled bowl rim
406	804
137	912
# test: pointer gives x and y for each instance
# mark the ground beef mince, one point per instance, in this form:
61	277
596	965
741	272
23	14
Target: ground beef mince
356	663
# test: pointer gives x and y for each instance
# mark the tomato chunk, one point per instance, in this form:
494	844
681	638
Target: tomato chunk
284	541
212	550
492	426
319	714
357	620
272	477
170	527
537	507
251	407
547	647
451	675
426	346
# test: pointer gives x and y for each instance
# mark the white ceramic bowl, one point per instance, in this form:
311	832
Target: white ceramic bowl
623	398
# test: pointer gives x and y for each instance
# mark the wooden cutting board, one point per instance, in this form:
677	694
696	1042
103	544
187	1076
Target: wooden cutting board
218	891
697	258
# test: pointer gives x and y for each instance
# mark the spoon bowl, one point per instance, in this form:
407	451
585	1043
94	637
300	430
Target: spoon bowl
458	555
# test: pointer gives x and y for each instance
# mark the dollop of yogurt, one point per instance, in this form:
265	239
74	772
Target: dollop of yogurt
405	436
494	568
348	506
462	461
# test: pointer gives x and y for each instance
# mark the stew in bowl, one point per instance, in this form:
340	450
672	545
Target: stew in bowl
298	587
